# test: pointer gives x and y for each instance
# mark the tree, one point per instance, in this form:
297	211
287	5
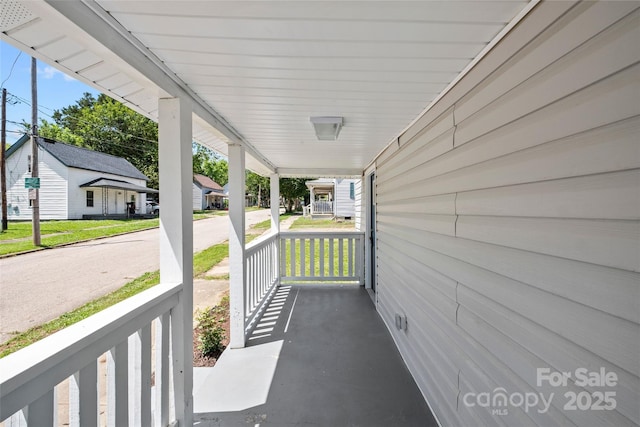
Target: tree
207	162
292	190
259	186
59	133
106	125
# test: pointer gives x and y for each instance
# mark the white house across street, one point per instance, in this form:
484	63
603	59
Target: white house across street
75	182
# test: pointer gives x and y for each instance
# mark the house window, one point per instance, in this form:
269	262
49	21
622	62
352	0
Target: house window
352	190
89	198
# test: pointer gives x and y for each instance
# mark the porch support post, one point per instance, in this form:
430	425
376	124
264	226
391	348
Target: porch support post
237	271
312	198
176	241
274	180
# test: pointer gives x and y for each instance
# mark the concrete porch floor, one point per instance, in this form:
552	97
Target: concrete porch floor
321	356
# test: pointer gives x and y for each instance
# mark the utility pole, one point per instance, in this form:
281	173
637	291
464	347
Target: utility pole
3	168
35	209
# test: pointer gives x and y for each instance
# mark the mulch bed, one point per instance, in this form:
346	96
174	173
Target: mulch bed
199	359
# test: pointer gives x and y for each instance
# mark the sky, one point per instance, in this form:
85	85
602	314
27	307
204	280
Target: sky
55	89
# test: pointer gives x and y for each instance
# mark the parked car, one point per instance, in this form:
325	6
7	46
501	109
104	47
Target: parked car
153	208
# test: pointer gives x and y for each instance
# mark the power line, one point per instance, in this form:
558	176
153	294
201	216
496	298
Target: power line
11	71
78	120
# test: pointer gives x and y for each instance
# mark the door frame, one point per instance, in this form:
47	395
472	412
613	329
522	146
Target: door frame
370	231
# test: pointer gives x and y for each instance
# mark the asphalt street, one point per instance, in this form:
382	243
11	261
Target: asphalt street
40	286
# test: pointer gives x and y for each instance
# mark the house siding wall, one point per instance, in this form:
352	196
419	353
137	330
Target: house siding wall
508	222
198	198
116	202
344	204
53	187
358	205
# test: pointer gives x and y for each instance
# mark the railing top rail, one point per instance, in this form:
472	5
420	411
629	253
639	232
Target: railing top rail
260	242
318	234
45	363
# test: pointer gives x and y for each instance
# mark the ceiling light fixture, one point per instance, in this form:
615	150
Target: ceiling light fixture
327	128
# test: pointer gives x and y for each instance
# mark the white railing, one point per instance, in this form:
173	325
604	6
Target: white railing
321	257
261	263
322	208
138	384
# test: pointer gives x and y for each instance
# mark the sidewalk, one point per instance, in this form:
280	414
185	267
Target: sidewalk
208	291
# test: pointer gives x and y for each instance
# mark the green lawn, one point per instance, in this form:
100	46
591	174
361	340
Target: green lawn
208	214
36	333
203	261
264	225
303	222
316	258
54	233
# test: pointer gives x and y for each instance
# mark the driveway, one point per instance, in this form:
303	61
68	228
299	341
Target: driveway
40	286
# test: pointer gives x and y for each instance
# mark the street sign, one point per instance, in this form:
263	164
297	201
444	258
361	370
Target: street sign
33	194
32	183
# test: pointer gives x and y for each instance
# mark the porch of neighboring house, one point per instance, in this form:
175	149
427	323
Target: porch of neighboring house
126	199
321	199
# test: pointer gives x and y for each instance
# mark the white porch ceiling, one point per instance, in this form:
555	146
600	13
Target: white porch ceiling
257	71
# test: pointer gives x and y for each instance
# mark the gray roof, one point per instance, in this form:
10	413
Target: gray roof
83	158
118	184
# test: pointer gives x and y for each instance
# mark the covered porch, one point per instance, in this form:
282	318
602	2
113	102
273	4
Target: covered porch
497	146
319	356
307	346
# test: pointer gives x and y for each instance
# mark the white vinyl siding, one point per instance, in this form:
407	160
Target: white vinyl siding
198	199
53	185
344	204
358	204
509	221
116	198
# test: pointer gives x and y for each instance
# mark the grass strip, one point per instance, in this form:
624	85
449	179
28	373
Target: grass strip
64	232
36	333
203	261
266	224
303	222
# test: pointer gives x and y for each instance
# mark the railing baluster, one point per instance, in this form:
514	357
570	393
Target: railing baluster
283	257
321	247
293	257
117	377
41	412
340	257
359	260
350	250
134	386
303	259
312	258
331	267
161	414
83	397
145	376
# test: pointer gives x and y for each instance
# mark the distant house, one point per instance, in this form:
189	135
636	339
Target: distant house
74	182
207	194
249	199
335	198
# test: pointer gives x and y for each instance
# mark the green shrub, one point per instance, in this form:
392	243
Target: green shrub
210	325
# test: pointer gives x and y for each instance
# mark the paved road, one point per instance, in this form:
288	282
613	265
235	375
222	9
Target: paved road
40	286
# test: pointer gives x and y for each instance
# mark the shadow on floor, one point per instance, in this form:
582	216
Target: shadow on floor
321	356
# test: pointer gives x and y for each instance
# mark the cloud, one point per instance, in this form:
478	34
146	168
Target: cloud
49	72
